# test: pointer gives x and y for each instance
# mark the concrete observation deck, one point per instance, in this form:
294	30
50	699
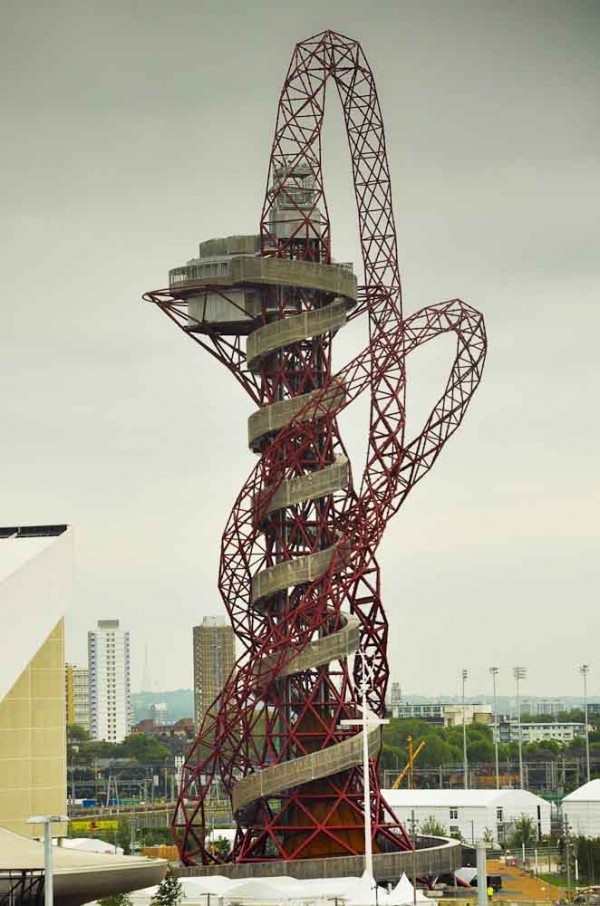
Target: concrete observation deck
434	856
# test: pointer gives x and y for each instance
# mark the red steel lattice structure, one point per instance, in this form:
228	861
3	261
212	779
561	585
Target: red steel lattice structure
298	572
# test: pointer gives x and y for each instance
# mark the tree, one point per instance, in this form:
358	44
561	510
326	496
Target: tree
169	891
431	825
77	734
523	833
116	899
145	749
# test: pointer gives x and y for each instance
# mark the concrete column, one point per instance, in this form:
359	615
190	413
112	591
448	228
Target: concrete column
482	897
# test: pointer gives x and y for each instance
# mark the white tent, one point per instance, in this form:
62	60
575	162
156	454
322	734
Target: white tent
364	893
351	891
329	888
581	808
90	845
213	885
265	889
403	894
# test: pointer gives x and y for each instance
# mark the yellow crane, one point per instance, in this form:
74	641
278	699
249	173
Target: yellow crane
407	769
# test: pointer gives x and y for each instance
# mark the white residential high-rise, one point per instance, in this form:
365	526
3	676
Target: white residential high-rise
110	696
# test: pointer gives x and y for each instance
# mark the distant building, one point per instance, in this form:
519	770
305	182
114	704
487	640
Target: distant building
214	657
474	814
581	809
395	699
446	715
158	712
110	693
36	573
508	731
551	707
77	691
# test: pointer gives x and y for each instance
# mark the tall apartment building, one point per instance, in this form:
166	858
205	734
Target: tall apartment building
77	691
109	674
214	656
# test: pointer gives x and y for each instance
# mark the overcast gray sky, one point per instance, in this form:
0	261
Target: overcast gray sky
133	130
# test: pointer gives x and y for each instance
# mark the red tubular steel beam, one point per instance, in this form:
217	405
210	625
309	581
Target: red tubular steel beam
298	573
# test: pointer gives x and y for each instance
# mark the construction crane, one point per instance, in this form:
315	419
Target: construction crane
407	769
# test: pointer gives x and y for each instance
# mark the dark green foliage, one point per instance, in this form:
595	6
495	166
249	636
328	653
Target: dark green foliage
169	890
443	745
587	852
77	734
137	746
117	899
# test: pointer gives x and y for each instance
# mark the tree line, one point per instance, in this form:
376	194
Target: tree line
444	745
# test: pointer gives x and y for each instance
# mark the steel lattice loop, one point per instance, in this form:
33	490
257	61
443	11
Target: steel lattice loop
298	571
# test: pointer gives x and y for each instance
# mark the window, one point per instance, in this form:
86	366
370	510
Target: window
499	814
453	814
454	830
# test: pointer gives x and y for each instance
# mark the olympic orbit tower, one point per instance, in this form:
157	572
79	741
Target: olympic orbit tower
298	570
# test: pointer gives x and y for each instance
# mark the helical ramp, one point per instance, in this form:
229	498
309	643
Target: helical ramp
298	573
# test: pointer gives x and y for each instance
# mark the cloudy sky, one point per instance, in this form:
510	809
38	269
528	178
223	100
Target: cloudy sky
133	130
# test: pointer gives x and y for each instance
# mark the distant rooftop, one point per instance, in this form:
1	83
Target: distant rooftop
451	798
32	531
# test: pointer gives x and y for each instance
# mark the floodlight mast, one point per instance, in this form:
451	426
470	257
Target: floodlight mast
298	572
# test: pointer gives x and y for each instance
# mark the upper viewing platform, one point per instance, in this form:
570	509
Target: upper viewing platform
222	287
236	260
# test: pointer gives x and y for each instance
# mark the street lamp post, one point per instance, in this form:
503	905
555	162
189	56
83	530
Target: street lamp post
464	726
48	821
519	674
584	670
367	721
494	673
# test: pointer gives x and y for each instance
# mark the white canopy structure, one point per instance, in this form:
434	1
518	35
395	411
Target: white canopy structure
91	845
475	814
216	890
581	808
80	876
403	894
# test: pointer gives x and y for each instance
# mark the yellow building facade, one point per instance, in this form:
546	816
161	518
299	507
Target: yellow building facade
34	585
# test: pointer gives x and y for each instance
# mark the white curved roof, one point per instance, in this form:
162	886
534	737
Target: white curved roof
589	792
455	798
81	876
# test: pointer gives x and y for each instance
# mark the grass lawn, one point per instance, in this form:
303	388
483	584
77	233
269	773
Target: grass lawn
557	880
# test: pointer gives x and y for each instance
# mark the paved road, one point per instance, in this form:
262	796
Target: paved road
517	885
